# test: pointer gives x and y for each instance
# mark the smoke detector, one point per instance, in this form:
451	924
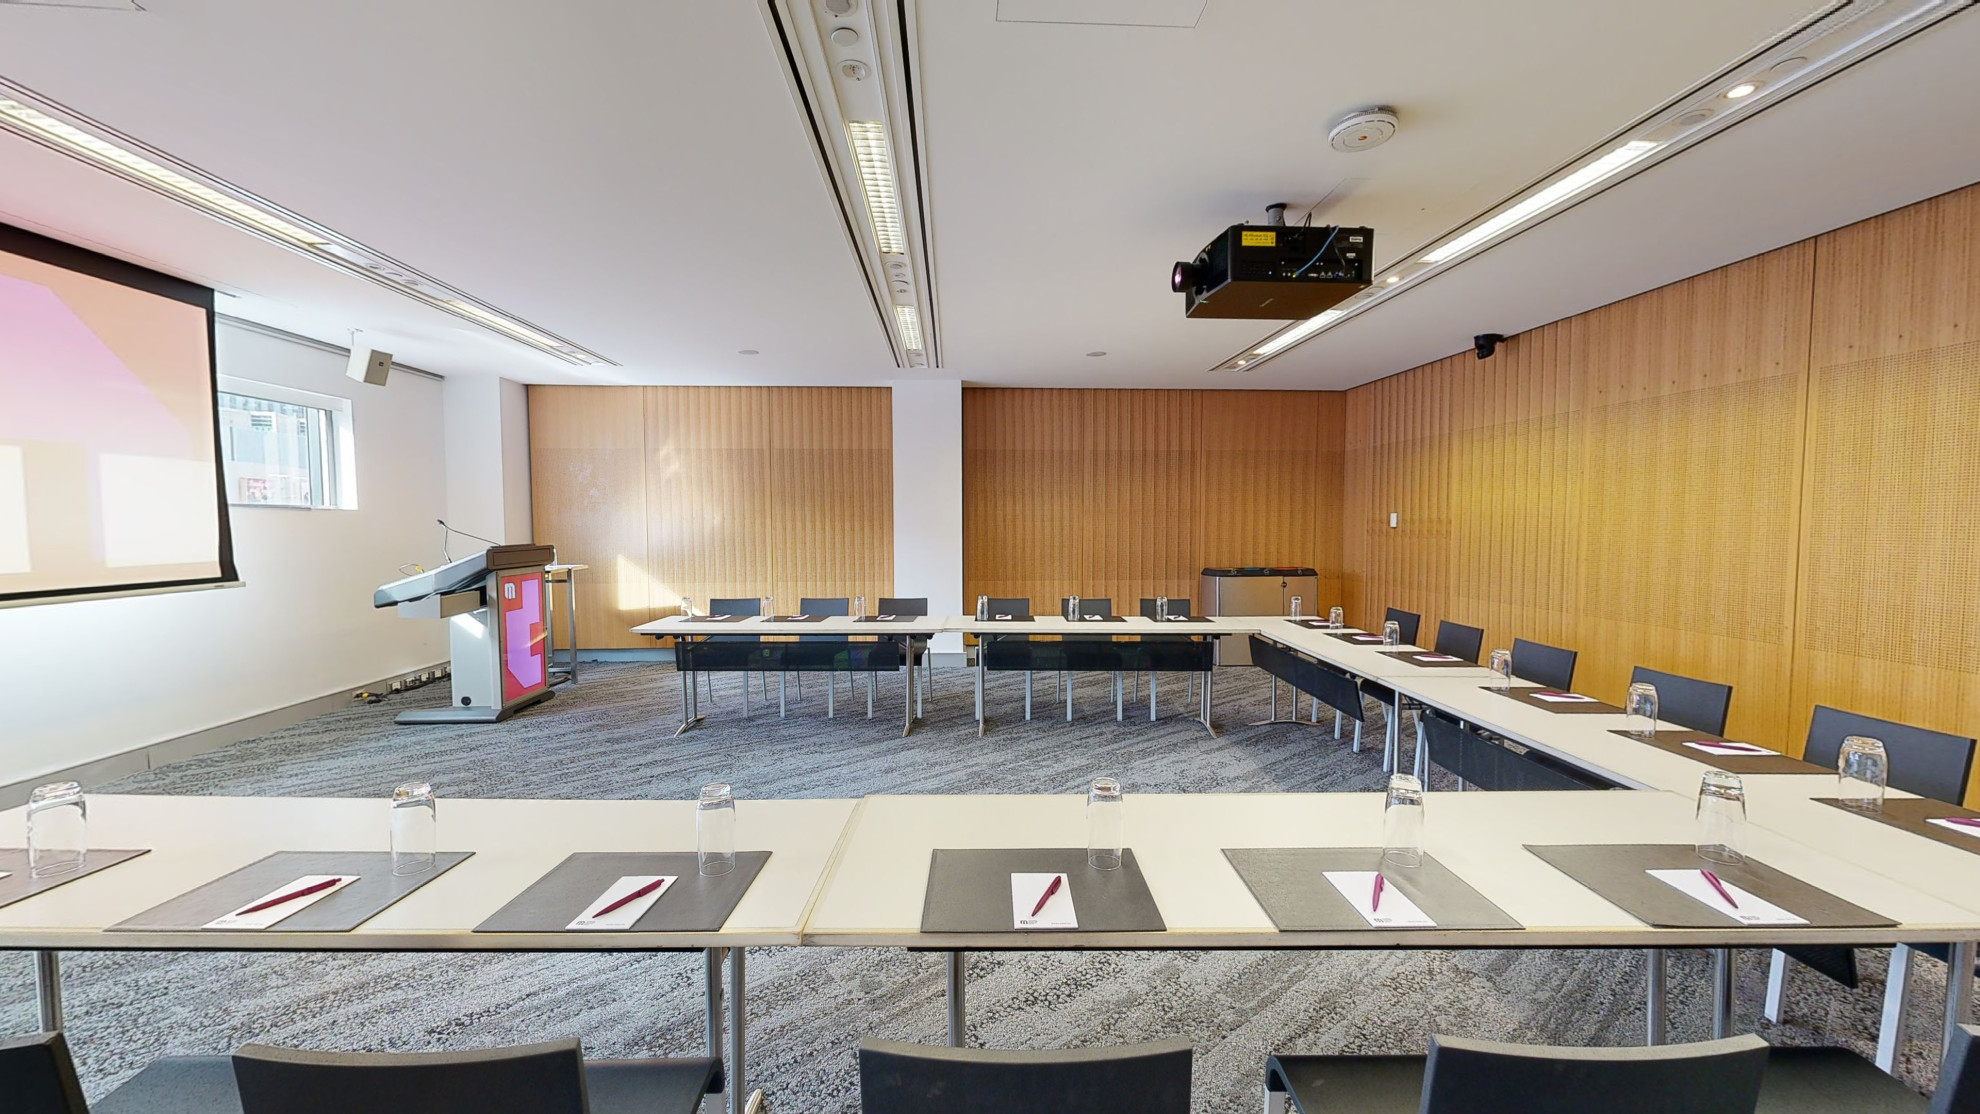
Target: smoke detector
1362	129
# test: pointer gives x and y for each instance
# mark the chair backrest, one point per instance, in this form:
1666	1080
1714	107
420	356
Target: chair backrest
1176	607
1015	608
1699	705
38	1077
1929	763
1959	1075
1543	664
904	605
527	1079
897	1078
1407	621
824	605
750	606
1458	640
1088	607
1487	1077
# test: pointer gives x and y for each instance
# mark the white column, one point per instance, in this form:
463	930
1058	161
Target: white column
487	436
928	539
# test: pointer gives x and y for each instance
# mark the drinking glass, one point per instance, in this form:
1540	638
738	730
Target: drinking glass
1862	769
767	607
1336	618
1392	633
1402	823
859	607
1641	707
1106	824
1072	608
687	608
1502	667
415	828
982	608
1161	608
57	830
715	829
1296	601
1721	817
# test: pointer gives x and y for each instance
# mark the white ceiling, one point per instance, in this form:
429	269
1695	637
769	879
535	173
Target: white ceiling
638	177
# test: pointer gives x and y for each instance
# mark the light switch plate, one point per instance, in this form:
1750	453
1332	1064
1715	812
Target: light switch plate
1394	520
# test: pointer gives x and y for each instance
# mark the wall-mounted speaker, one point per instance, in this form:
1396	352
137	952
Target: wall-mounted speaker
368	365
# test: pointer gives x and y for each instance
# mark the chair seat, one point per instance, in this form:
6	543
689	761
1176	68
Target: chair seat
205	1085
1798	1081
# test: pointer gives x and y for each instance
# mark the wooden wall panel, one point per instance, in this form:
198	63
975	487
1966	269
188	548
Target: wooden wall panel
1125	494
712	491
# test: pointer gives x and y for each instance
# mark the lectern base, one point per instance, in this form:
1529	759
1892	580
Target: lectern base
470	715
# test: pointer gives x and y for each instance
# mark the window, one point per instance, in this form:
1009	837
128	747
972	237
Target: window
285	448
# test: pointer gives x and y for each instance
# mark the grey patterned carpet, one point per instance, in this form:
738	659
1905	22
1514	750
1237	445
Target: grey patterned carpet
611	736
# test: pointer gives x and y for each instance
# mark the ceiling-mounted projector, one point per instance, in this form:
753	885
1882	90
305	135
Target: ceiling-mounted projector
1276	271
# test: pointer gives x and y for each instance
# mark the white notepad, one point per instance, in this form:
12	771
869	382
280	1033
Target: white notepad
1751	910
1958	824
625	916
268	918
1435	657
1726	748
1003	616
1563	698
1397	911
1058	910
1365	637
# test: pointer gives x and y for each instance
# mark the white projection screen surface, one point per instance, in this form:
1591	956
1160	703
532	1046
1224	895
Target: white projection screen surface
109	463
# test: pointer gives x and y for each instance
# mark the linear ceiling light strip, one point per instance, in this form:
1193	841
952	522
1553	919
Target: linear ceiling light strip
1844	35
875	157
80	138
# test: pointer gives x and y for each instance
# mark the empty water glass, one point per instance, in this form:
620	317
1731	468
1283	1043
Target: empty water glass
415	828
687	608
982	608
766	607
1392	633
1161	608
57	830
1072	608
859	607
1502	670
1336	618
1721	817
1862	771
715	830
1402	823
1106	824
1296	602
1641	707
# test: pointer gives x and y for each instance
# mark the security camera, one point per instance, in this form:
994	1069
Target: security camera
1486	343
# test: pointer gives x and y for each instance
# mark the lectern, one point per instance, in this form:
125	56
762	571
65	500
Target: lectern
494	606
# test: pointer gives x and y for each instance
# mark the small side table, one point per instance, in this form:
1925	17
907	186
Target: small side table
567	576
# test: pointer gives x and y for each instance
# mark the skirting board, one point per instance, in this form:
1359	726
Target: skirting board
152	755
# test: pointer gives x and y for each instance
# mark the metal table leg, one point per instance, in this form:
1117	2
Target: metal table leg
1151	696
712	1009
981	646
958	1008
48	989
907	702
1959	991
1207	726
1657	999
690	698
1722	993
737	1103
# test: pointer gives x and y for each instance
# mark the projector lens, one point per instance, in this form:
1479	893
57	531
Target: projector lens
1182	277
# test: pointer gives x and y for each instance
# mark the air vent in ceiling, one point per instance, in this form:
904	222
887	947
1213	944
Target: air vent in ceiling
1112	13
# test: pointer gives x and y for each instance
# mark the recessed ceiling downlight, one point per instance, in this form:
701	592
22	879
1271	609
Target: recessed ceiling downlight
1743	89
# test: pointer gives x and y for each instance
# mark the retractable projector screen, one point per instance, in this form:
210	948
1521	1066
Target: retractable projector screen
110	479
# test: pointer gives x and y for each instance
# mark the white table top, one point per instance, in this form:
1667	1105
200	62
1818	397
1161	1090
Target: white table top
194	840
1124	626
758	625
874	894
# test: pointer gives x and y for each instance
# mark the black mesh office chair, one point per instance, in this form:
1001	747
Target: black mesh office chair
37	1076
739	652
1699	705
916	606
1407	624
1928	763
1487	1077
896	1078
830	654
1458	640
1002	652
1178	653
1542	664
1092	653
1325	684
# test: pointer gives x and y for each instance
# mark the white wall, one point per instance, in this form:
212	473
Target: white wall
487	434
90	679
517	524
928	519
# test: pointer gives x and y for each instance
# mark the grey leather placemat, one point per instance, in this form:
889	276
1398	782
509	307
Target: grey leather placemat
1674	740
970	891
18	885
1524	694
375	891
692	904
1287	882
1910	814
1616	872
1415	658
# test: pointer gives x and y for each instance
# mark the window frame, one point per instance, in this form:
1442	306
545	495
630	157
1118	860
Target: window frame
332	450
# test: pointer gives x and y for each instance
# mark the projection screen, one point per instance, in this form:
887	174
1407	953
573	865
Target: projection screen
110	481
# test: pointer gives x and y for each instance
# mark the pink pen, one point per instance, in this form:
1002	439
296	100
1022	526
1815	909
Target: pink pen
1375	899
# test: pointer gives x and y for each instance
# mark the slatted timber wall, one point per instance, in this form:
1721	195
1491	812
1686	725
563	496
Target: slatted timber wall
1126	494
712	491
1766	475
